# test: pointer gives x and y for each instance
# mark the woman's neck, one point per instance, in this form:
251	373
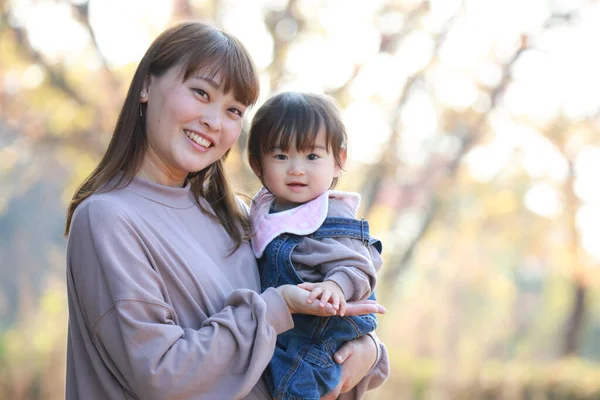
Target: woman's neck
155	171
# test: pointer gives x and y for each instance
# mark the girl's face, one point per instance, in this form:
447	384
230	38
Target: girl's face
295	177
189	124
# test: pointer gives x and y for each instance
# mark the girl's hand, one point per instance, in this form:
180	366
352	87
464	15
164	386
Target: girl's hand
357	358
295	298
326	292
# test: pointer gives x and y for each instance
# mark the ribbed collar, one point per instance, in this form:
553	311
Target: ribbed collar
169	196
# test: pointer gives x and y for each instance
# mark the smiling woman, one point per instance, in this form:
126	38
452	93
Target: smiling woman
163	288
176	57
190	124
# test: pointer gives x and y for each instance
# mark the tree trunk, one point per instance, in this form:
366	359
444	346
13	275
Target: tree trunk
575	323
576	318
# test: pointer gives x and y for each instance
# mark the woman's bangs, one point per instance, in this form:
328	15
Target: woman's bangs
237	74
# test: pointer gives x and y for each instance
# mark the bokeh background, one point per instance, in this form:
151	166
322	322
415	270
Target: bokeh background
474	140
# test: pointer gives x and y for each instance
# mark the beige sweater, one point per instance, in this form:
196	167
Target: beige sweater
158	311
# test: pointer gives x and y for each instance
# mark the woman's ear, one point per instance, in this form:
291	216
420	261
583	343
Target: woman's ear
145	89
339	167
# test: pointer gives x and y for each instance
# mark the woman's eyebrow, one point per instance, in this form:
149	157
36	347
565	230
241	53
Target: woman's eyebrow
209	80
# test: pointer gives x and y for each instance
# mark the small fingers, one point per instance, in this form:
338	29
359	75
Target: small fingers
342	309
316	292
335	301
325	297
326	310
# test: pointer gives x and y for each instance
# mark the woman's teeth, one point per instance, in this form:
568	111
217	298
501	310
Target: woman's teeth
198	139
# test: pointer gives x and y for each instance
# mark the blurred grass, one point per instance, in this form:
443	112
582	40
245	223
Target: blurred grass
427	378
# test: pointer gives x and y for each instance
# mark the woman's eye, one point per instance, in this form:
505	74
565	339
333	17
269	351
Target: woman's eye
201	92
312	157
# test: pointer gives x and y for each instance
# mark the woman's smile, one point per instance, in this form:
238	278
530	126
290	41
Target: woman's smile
197	139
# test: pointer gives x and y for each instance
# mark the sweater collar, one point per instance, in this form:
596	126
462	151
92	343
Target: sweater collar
169	196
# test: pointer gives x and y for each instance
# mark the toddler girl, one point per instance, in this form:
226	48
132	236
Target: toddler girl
307	234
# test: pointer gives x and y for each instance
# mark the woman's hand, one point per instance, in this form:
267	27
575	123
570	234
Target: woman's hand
357	358
362	307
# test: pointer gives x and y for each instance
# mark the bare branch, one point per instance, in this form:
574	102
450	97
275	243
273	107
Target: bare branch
389	161
388	43
55	75
81	12
467	140
280	44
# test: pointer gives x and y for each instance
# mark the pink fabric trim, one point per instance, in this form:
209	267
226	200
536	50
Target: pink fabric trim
301	220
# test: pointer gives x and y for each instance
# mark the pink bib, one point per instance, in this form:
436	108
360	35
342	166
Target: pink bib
302	220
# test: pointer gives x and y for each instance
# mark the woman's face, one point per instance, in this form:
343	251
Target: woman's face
189	124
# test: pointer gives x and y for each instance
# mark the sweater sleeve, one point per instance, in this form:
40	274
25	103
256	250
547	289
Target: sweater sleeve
136	332
375	378
351	265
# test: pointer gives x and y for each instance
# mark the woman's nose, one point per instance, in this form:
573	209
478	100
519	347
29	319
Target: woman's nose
211	118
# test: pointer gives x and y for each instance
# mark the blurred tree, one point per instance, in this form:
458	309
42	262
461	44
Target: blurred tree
476	278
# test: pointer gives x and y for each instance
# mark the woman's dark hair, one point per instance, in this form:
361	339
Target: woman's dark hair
294	117
193	46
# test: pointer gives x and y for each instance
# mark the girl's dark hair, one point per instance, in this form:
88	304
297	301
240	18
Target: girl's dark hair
295	117
193	46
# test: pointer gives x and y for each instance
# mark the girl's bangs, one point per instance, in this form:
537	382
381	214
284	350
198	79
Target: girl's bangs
298	128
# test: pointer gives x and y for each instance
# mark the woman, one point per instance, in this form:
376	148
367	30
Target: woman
162	284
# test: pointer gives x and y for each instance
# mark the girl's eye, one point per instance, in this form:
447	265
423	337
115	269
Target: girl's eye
201	92
312	157
280	157
237	111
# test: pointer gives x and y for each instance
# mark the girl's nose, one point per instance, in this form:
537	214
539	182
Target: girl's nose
296	168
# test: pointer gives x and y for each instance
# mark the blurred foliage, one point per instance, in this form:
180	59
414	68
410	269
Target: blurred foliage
473	168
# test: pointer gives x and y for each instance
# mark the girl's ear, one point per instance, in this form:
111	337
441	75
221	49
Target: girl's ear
339	167
256	169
